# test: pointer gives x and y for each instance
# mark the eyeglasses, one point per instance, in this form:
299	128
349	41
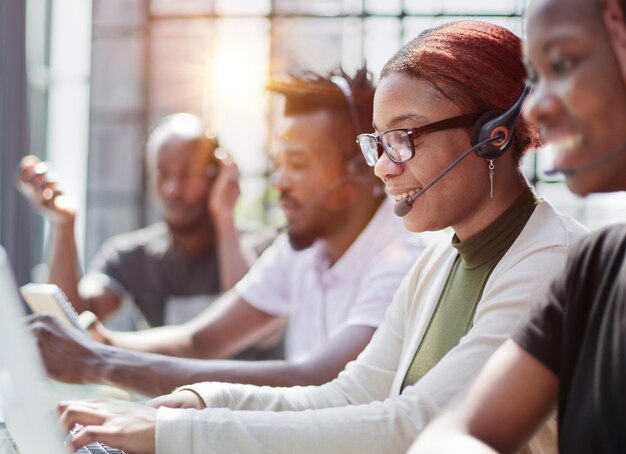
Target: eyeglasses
398	143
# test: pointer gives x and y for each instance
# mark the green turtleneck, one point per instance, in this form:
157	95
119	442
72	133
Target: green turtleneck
455	309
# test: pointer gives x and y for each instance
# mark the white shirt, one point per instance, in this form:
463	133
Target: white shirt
320	300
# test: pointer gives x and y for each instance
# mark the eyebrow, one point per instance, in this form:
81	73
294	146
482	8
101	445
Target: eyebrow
401	118
561	35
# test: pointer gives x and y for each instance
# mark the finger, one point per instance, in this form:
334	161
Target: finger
38	317
89	434
87	320
77	413
39	170
25	167
222	155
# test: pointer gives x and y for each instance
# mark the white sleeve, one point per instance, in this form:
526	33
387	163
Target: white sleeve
362	417
265	286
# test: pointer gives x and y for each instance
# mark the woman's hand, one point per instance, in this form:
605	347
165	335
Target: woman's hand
129	426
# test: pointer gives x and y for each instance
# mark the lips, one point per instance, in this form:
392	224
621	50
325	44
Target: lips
564	148
399	195
289	206
566	143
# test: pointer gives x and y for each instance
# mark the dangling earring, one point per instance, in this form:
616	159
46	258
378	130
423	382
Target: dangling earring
491	173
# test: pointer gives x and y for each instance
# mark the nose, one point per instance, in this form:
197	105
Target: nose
542	105
385	168
280	178
172	187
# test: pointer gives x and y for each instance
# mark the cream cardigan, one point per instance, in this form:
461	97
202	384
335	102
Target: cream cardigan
362	410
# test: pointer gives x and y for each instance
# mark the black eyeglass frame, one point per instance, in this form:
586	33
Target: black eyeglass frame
414	133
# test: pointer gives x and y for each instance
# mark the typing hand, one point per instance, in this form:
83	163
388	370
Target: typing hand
181	399
123	425
68	354
41	189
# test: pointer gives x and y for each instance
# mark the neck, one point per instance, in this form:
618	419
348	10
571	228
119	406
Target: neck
489	209
359	214
194	241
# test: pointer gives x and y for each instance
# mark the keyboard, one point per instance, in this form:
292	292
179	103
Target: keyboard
92	448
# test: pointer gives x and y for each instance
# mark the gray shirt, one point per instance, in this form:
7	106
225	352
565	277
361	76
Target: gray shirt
144	265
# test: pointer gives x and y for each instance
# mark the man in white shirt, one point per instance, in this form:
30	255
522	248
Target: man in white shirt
333	274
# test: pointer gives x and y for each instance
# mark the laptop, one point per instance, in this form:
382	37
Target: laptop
29	411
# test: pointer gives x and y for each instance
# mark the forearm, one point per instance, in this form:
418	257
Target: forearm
233	265
144	373
154	375
261	373
64	265
170	340
372	428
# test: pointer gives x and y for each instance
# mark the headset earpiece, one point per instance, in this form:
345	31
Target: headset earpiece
501	125
488	126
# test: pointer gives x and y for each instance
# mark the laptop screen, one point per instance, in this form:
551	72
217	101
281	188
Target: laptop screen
28	413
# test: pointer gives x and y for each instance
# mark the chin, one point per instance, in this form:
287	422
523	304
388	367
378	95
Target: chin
414	224
583	185
300	240
183	224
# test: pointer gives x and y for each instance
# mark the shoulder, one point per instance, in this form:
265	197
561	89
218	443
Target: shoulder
547	228
606	245
152	239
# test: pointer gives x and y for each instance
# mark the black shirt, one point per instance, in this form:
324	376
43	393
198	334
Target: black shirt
579	333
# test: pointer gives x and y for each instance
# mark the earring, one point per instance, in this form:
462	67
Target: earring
491	173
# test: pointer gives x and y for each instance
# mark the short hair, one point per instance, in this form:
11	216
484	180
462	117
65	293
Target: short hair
476	65
185	126
308	91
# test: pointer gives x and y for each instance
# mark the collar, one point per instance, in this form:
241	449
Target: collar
349	266
490	242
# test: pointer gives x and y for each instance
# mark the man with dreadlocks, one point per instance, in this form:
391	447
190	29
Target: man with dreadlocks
333	274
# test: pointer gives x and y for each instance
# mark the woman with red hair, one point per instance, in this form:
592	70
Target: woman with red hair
443	115
571	352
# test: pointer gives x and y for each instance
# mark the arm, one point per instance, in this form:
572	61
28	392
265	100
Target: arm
224	195
361	410
509	400
223	329
65	270
74	358
226	328
156	374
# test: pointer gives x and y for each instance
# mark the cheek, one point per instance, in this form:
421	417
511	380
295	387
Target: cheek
197	192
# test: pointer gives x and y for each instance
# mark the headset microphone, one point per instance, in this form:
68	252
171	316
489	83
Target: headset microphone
403	207
491	137
354	167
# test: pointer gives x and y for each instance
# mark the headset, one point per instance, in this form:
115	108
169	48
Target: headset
491	137
497	128
356	165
